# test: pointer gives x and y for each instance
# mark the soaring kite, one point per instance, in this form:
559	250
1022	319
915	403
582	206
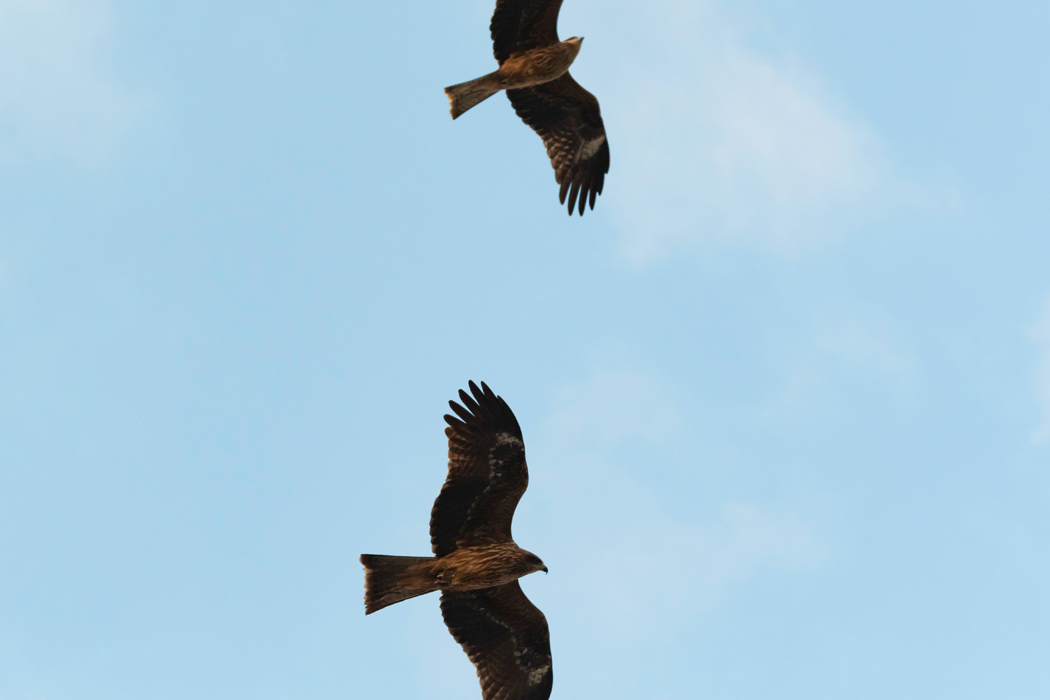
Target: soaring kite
476	564
534	70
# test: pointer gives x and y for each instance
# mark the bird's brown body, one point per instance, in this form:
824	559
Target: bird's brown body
521	70
538	66
390	580
473	568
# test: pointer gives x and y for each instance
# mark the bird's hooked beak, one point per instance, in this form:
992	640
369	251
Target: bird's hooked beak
544	569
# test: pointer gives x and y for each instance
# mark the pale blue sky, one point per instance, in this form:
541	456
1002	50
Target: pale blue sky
785	392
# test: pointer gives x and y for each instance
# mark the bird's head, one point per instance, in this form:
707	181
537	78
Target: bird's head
573	44
534	563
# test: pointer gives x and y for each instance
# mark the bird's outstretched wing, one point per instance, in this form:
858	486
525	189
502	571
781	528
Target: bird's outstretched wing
569	121
487	473
506	638
520	25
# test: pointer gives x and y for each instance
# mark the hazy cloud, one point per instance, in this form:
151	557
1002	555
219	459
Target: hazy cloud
59	95
846	350
699	558
609	407
613	508
738	149
1040	333
864	345
716	140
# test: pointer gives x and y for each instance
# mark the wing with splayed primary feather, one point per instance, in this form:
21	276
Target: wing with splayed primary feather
506	638
569	121
487	473
520	25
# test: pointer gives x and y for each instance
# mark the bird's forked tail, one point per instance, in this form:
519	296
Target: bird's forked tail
465	95
390	580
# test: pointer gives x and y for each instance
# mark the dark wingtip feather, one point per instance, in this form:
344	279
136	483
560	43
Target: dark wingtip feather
454	424
460	411
573	193
468	401
475	407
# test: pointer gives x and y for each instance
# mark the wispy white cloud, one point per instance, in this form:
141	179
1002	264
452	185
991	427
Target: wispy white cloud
610	406
848	349
1040	333
738	150
606	508
716	141
863	344
59	94
699	559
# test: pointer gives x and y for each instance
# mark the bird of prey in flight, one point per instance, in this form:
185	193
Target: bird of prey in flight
476	564
534	70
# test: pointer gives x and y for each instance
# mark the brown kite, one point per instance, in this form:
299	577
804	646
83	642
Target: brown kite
534	70
476	564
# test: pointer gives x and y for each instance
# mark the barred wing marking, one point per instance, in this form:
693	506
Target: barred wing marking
569	121
506	638
487	474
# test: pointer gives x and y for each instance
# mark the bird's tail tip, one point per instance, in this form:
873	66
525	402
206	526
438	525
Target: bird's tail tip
390	580
453	108
463	96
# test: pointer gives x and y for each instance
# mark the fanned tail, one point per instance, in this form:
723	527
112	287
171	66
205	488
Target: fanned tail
466	95
390	580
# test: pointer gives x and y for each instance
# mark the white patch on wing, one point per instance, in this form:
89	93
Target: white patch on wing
536	676
507	439
523	656
502	439
589	148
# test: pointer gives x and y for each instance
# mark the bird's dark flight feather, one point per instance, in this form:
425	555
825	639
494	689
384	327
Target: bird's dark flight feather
520	25
487	474
567	118
506	638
